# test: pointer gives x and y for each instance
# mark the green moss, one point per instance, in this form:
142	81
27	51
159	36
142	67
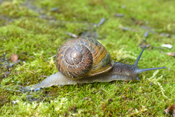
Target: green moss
16	9
34	31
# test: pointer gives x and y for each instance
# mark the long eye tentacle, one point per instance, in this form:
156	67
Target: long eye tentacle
138	58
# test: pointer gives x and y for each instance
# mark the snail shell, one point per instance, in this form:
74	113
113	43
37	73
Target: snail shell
83	57
85	60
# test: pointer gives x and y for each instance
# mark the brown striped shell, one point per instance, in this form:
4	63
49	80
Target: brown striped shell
83	57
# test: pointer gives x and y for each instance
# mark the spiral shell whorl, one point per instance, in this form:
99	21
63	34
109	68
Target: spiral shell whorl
83	57
74	60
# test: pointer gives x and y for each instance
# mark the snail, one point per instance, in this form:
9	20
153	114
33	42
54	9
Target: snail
85	60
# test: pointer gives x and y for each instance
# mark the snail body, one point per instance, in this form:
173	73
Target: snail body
85	60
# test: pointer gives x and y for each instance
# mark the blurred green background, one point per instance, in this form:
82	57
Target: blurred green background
35	29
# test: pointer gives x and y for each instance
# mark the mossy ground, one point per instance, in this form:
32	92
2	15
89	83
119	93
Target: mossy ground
38	30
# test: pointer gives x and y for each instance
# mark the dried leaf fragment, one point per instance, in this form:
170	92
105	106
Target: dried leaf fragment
13	57
167	46
171	109
148	45
171	53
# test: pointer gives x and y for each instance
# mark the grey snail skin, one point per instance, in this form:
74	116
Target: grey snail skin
85	60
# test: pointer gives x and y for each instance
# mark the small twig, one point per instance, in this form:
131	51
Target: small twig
72	35
101	22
